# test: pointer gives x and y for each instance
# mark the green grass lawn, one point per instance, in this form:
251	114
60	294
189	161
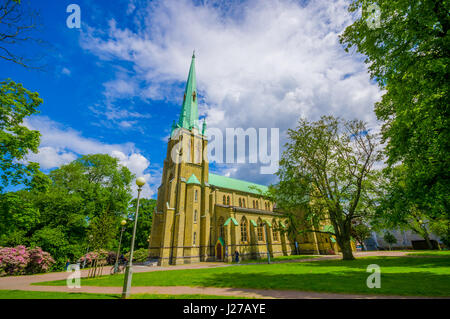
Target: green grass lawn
418	276
280	258
21	294
444	253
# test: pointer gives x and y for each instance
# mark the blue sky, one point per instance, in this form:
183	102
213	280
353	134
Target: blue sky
116	84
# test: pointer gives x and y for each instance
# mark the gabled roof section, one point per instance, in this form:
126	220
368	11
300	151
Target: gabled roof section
236	184
231	219
220	240
328	228
193	180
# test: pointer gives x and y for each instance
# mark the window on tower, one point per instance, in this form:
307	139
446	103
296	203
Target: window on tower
221	227
198	153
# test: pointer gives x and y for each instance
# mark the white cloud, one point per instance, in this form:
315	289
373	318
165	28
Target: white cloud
61	145
66	71
264	65
50	157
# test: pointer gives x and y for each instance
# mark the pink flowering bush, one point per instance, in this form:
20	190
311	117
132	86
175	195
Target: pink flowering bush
93	255
21	260
40	261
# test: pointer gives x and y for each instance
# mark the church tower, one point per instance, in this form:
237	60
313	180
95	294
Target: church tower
181	219
201	216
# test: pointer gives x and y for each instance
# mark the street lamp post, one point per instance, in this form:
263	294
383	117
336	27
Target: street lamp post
116	265
140	181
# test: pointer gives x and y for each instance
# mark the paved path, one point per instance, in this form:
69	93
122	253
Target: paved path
24	283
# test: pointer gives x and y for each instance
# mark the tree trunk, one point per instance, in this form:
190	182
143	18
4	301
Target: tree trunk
346	248
427	239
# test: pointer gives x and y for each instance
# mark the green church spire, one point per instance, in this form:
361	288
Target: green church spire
189	111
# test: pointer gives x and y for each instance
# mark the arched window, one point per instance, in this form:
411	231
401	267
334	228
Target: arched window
224	199
228	200
265	205
195	195
240	202
198	152
275	231
195	216
244	232
221	227
243	203
260	230
256	204
195	239
186	151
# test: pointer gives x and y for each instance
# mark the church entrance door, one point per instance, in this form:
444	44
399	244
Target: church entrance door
219	251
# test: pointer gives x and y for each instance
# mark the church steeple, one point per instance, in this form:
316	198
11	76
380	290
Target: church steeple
189	111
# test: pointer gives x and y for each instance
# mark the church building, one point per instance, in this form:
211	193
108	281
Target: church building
202	216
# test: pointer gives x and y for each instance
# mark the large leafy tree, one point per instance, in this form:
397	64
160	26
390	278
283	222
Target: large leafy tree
100	189
58	212
144	225
16	140
408	55
102	184
328	165
396	210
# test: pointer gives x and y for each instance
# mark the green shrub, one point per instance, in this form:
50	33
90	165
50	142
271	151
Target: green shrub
139	255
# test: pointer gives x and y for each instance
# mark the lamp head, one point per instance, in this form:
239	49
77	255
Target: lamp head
140	181
123	222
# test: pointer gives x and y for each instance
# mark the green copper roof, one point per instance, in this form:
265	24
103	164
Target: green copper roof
189	111
253	223
235	184
232	219
204	127
328	228
193	180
